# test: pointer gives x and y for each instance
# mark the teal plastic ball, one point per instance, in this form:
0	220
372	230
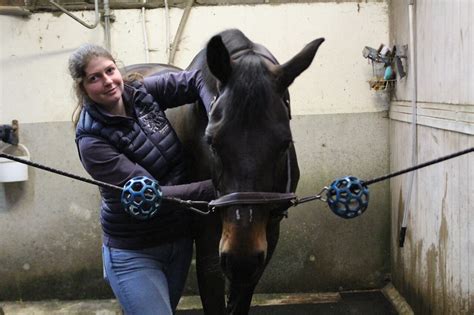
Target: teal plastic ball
348	197
141	197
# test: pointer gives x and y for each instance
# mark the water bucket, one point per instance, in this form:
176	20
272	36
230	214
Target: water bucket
12	171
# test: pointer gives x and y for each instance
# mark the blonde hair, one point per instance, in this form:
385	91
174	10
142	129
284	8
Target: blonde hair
77	64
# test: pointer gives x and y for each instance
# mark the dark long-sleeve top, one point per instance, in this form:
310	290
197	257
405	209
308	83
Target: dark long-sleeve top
114	149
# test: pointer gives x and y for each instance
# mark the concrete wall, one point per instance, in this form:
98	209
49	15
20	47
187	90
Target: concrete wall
434	270
50	237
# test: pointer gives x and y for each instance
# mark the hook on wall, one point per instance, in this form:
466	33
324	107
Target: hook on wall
9	133
11	171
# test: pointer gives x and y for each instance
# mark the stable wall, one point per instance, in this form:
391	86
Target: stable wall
50	236
434	270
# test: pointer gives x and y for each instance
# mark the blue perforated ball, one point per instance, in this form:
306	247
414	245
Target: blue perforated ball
141	197
348	197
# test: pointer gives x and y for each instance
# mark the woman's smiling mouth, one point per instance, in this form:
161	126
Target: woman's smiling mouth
111	91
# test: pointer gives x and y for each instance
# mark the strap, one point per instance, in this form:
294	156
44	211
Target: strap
245	198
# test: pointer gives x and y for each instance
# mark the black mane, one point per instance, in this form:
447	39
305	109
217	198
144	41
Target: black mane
251	85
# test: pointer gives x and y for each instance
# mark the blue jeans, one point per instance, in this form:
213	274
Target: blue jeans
150	280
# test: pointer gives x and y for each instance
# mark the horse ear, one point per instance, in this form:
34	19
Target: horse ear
218	59
299	63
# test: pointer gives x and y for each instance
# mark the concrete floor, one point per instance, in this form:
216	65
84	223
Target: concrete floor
363	303
350	303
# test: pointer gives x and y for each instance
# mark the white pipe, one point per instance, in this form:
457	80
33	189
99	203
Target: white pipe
179	32
91	26
145	36
414	156
397	300
167	29
14	11
108	44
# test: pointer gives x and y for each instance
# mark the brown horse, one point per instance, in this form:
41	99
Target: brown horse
245	145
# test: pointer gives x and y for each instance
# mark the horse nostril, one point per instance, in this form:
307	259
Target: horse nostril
261	258
243	268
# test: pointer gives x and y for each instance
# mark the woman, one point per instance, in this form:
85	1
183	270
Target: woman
122	132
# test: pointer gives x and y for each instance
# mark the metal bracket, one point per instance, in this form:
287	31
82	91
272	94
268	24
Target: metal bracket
9	134
91	26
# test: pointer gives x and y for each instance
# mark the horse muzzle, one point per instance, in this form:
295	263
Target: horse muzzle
243	244
243	270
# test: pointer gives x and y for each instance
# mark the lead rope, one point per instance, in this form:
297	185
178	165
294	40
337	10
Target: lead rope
403	228
416	167
387	176
188	203
63	173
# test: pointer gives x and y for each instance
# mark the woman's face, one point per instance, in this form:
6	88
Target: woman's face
103	82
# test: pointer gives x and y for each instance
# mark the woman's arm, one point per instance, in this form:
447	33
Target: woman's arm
105	163
197	191
173	89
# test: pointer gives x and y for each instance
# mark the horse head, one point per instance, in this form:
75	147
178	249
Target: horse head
252	149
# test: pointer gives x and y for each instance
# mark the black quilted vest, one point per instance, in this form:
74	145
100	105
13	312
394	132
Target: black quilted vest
149	140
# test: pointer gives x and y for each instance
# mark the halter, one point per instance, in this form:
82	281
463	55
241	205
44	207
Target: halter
251	198
257	198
